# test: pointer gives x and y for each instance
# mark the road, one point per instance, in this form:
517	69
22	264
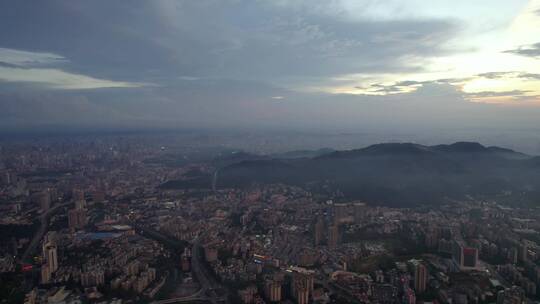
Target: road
44	219
209	286
205	278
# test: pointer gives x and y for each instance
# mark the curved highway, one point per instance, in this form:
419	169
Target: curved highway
44	219
209	286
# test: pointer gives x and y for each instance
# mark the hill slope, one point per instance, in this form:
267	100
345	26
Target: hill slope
400	174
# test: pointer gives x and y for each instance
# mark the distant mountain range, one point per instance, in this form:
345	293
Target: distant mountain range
400	174
238	156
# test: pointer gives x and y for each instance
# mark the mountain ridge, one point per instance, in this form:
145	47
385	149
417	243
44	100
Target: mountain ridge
398	174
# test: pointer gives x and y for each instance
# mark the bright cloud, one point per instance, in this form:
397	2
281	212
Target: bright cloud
58	79
505	41
38	68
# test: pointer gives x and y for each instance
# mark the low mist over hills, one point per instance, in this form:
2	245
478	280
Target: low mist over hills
398	174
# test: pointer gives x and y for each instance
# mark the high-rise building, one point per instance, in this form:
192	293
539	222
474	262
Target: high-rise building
465	257
343	213
302	294
247	295
45	274
523	251
80	204
51	254
470	257
420	273
340	212
273	290
409	296
50	237
132	268
302	284
300	288
513	255
93	278
457	253
77	218
333	236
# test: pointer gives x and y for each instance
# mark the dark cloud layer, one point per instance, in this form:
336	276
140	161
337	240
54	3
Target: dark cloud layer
495	75
513	93
530	76
156	41
528	50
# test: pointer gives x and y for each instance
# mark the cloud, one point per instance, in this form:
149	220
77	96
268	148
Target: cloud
58	79
532	50
531	76
398	87
513	93
277	42
41	69
188	78
495	75
21	58
406	86
510	75
408	83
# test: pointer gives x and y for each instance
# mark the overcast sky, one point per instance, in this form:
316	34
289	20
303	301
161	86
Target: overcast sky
308	64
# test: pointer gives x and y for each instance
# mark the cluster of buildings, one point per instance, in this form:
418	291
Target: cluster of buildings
94	224
252	239
61	239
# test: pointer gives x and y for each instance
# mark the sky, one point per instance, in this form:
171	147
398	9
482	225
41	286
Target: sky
329	65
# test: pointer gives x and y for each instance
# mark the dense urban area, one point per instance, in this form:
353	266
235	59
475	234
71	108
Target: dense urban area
90	220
